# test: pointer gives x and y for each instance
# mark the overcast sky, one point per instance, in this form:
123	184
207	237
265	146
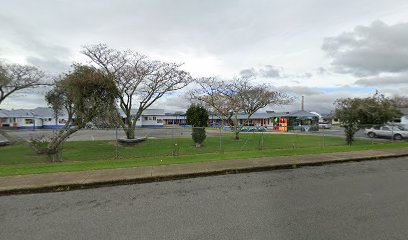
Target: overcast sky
317	48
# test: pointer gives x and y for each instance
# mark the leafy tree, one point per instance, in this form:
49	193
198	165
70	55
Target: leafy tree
58	100
228	99
15	77
355	113
140	81
198	117
86	94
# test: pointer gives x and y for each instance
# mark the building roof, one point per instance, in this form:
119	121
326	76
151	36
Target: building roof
43	112
147	112
39	112
299	114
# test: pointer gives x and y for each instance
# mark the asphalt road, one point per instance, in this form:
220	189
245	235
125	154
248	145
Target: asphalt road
366	200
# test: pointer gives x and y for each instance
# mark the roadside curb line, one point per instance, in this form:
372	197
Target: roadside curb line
204	173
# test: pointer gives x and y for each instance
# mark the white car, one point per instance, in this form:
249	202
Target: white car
395	132
325	125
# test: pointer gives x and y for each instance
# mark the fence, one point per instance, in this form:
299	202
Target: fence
102	144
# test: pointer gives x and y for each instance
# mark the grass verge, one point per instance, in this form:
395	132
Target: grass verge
94	155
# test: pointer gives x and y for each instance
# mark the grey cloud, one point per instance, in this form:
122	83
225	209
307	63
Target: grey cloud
399	79
28	98
392	91
39	51
172	103
321	103
307	75
248	72
370	50
301	90
269	71
322	71
266	71
49	64
273	72
210	26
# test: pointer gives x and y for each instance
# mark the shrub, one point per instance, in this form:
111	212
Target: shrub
198	117
199	135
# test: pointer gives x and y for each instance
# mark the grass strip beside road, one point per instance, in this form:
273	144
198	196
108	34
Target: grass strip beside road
95	155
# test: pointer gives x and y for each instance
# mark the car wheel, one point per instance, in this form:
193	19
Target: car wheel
397	137
371	135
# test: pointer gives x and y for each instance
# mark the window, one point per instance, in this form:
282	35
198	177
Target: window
154	118
150	118
159	121
62	121
145	118
28	121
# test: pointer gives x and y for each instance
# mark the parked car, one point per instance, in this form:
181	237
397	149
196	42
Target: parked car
394	132
253	129
325	125
247	129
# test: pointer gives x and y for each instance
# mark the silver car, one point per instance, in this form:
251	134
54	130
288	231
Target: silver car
394	132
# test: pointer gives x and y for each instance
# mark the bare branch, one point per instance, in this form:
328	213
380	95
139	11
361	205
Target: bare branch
137	78
15	77
228	99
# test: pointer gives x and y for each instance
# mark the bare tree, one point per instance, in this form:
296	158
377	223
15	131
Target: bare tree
211	95
228	99
15	77
140	81
400	101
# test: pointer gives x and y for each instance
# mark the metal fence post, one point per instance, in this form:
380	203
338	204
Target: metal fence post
323	138
392	133
220	140
116	150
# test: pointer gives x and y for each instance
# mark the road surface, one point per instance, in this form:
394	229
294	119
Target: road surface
365	200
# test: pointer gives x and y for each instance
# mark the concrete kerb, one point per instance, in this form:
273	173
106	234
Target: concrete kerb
159	173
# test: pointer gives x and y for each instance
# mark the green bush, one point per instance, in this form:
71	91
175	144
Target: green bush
198	117
199	135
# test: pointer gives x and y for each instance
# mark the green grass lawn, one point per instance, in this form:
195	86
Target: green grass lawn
92	155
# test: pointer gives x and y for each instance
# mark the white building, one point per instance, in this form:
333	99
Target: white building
44	118
150	118
31	118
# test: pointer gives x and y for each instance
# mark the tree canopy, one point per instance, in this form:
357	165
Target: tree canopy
229	98
197	116
355	113
140	81
86	94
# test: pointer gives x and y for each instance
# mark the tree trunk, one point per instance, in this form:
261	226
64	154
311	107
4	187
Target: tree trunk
349	132
236	134
130	132
236	127
54	148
